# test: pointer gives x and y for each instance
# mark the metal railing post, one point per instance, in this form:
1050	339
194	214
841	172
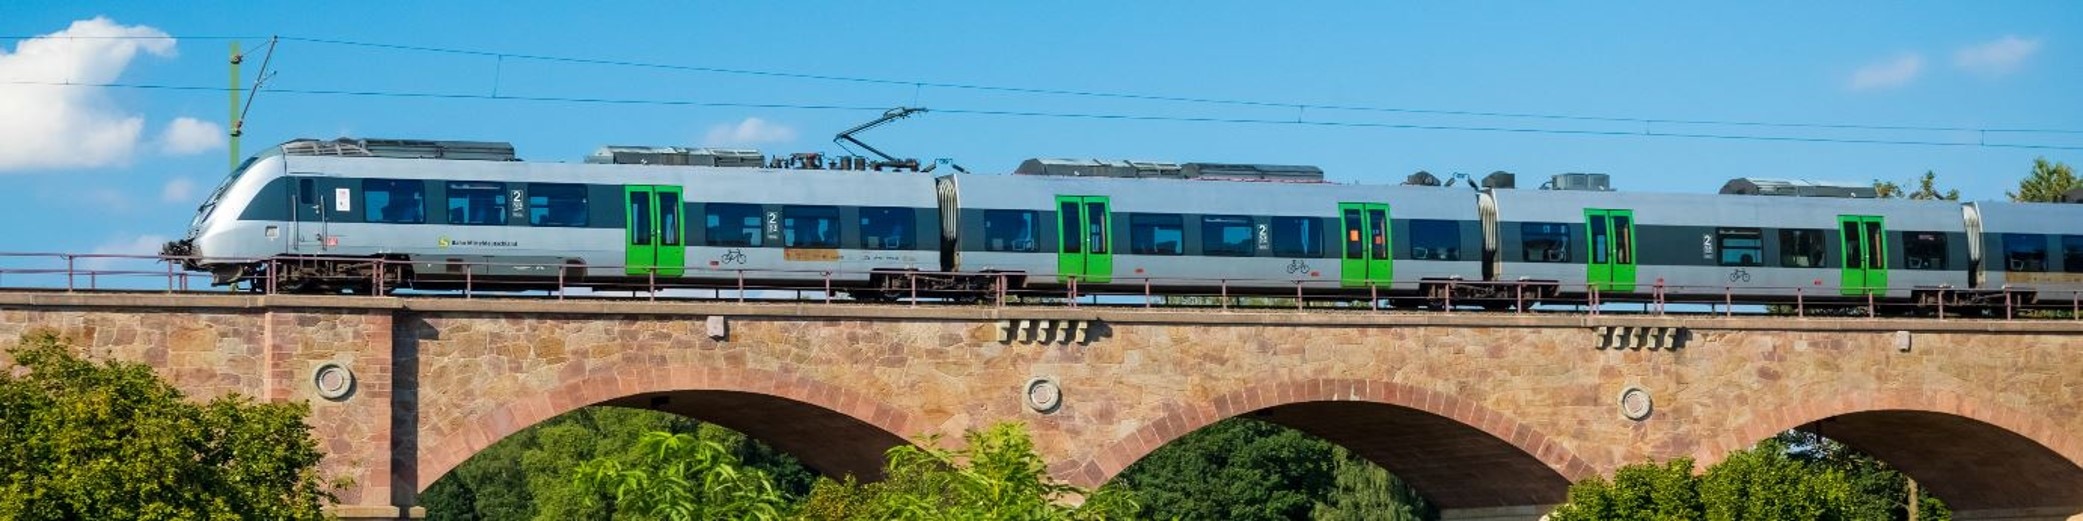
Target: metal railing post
1373	296
1519	297
1871	310
1003	283
1800	303
274	269
1073	292
1728	302
2008	302
169	274
1148	300
1941	303
469	279
828	287
1298	295
560	280
68	273
376	286
1449	307
1592	297
741	286
1225	283
912	279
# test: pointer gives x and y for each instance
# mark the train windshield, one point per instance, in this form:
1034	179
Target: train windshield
203	212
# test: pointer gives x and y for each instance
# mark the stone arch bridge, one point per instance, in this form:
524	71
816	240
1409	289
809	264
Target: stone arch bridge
1490	416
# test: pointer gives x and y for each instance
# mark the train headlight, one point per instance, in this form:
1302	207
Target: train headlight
272	232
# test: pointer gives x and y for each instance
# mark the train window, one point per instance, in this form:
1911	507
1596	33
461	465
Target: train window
1623	240
1546	242
733	224
1096	226
809	227
887	228
1924	250
1598	240
1072	226
1298	237
476	202
1435	240
1354	247
669	225
556	205
1156	234
2072	253
2024	252
1010	230
1801	248
396	201
1226	236
1740	246
640	223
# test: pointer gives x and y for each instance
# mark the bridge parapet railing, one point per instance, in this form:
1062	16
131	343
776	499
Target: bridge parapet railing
82	272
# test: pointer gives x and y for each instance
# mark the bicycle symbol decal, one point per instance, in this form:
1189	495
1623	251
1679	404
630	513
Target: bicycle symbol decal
1739	275
734	256
1297	266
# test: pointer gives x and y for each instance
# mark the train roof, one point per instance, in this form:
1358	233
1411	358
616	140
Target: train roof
701	183
1212	197
1724	210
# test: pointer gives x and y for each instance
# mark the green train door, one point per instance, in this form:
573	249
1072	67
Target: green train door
1865	245
655	234
1365	259
1612	242
1085	243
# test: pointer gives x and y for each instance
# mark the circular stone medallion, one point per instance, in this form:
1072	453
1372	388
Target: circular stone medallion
333	380
1043	395
1635	404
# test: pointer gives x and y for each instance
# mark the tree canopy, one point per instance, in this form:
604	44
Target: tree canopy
87	440
2047	183
1927	189
1793	476
995	476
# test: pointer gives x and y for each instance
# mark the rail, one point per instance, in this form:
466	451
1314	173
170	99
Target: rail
81	272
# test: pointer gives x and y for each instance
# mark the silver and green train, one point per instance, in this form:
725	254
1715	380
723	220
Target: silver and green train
442	214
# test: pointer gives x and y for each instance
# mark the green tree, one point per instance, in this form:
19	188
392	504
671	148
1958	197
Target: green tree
1875	486
1886	189
1927	189
1640	492
529	475
81	440
996	476
681	477
2047	183
1237	468
1764	483
1363	491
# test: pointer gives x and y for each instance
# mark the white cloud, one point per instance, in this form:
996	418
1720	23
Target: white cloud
1999	56
178	190
750	132
47	126
185	136
1893	72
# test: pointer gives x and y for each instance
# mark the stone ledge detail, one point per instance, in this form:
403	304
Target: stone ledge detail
1638	337
1046	331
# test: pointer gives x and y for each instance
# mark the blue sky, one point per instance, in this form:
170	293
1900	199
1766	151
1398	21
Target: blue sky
117	169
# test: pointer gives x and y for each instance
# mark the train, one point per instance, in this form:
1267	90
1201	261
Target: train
317	216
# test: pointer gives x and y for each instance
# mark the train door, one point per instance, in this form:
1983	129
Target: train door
655	234
1612	242
1365	259
307	222
1864	241
1085	243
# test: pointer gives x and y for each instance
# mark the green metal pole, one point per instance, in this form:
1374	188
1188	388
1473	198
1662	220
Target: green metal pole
233	123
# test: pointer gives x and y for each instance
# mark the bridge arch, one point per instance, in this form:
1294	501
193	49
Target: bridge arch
1387	423
1974	454
831	429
